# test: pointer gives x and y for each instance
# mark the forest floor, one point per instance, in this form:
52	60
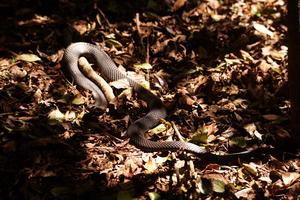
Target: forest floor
219	66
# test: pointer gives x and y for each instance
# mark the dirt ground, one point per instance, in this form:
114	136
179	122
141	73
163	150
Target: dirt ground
220	67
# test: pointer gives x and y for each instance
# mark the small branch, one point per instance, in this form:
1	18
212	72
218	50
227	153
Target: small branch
102	14
138	27
177	132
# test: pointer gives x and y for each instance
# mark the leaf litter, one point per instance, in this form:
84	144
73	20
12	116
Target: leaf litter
219	66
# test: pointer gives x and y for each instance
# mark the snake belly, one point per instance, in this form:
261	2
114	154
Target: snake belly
110	72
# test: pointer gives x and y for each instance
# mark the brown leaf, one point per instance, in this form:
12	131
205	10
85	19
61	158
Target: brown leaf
264	66
178	4
16	72
251	129
150	165
271	117
251	168
289	178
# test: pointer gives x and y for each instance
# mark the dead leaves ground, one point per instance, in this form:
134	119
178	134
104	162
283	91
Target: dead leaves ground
220	66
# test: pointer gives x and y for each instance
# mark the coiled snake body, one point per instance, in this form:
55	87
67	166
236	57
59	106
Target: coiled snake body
136	130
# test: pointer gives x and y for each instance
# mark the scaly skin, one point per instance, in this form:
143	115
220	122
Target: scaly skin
157	111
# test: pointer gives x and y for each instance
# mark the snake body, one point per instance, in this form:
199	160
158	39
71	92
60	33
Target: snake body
157	110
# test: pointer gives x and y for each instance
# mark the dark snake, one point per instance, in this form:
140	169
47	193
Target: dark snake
157	110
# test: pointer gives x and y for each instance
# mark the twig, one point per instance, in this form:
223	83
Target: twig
177	132
138	27
147	51
102	14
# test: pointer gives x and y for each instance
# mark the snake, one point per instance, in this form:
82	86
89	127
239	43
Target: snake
157	110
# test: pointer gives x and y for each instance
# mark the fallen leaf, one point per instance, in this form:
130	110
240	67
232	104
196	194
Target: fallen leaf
243	193
289	178
158	129
211	128
271	117
265	179
55	117
120	84
264	66
150	165
28	57
251	168
218	186
251	129
153	195
124	195
113	42
262	29
178	4
238	141
17	72
78	100
90	145
145	66
70	116
199	137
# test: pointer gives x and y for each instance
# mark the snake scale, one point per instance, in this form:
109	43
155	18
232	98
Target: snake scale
157	110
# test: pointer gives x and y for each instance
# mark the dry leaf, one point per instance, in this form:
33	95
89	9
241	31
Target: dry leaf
120	84
158	129
289	178
243	193
90	145
178	4
55	116
70	116
28	57
78	100
262	29
150	165
264	66
271	117
146	66
17	72
211	128
251	129
251	168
